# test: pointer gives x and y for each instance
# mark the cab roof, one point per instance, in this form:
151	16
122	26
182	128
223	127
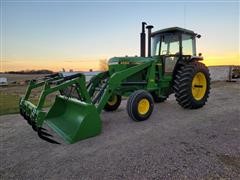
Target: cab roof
174	30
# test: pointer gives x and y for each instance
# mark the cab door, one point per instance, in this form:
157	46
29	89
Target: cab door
170	52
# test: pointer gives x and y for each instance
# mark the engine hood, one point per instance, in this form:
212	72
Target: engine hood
129	60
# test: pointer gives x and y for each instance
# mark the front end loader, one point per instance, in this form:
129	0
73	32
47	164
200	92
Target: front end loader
171	66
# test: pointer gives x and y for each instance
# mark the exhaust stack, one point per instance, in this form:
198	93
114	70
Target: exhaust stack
143	40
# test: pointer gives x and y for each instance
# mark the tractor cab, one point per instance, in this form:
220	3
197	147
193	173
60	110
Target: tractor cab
170	46
173	45
173	42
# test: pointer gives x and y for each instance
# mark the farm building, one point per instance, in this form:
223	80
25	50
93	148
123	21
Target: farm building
3	81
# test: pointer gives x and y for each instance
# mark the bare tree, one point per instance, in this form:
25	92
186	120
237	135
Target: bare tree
103	64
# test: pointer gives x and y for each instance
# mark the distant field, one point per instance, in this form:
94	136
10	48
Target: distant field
21	77
10	95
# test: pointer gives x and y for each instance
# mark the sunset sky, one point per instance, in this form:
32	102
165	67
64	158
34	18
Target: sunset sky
76	34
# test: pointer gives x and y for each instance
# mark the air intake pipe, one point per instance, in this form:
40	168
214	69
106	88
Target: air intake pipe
143	40
149	28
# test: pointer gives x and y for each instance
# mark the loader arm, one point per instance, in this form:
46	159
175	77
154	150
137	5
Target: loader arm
115	81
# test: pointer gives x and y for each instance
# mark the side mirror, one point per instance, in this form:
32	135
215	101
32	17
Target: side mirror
198	36
199	54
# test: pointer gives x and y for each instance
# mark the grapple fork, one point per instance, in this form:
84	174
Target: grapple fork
73	119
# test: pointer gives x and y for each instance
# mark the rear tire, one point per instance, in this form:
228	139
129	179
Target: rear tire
192	85
140	105
113	103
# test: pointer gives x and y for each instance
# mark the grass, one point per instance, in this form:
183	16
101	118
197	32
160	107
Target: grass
10	95
8	104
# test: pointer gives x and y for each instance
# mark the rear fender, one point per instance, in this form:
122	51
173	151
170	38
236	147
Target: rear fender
196	58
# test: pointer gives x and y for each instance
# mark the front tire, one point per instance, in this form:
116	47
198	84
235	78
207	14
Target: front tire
192	85
140	105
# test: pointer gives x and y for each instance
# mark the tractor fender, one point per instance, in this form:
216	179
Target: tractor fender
196	58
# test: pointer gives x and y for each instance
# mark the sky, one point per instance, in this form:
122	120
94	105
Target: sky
75	34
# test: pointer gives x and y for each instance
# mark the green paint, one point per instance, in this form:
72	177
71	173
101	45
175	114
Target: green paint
73	120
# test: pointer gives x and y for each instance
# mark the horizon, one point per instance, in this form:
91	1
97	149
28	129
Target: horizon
85	70
78	34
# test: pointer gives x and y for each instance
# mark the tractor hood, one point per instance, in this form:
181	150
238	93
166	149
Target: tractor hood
118	64
128	60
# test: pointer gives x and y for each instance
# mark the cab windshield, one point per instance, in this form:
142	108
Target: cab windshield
165	45
169	44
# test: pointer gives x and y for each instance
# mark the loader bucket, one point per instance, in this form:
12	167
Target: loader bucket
73	120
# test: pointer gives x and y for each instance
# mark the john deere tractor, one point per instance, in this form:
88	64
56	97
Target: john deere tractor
171	66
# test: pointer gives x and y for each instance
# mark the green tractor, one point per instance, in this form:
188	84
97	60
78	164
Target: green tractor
171	66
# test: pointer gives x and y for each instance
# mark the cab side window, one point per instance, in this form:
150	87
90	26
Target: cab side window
187	44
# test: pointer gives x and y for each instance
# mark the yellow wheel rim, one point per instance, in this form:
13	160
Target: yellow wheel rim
113	100
199	86
143	106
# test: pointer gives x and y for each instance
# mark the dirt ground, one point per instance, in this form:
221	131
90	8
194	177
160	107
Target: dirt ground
173	144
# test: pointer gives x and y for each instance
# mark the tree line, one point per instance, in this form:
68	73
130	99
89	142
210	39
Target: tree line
41	71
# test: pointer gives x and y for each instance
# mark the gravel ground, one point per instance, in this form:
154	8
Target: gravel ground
173	144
